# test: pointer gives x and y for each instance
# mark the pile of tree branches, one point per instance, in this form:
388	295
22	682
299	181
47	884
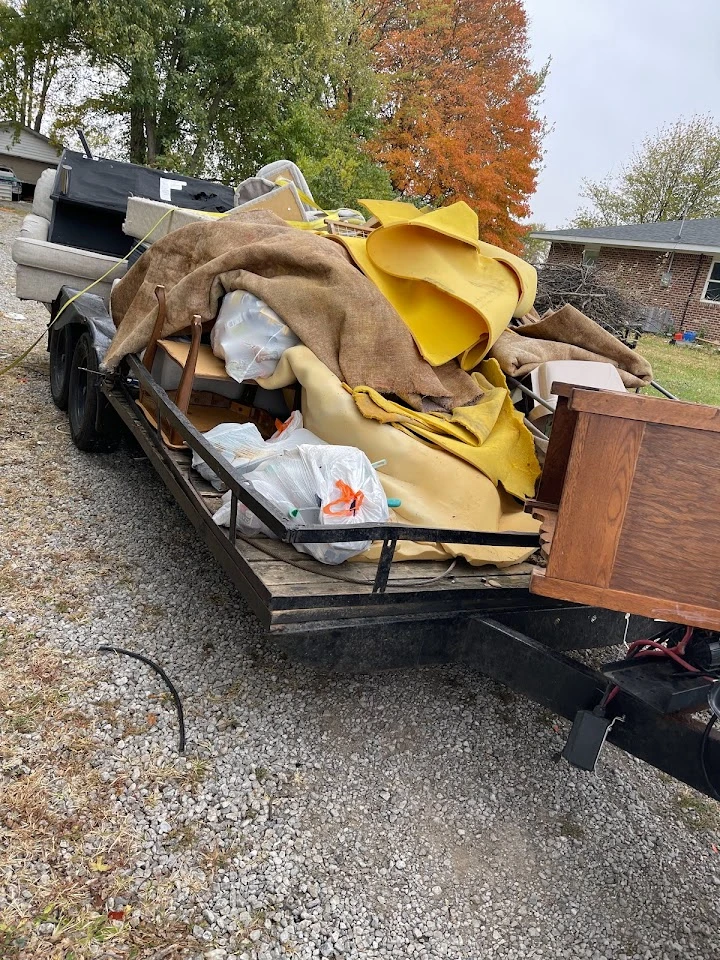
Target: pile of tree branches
593	293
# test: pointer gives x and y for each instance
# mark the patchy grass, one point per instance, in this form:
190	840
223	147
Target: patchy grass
570	828
691	373
697	812
64	849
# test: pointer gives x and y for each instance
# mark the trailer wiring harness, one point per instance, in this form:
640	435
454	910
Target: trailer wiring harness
697	651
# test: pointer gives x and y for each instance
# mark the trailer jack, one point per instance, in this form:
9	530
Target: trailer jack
675	743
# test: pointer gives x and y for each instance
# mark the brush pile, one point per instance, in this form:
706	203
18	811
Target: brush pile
617	310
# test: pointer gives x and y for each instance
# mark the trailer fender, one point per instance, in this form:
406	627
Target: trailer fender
89	313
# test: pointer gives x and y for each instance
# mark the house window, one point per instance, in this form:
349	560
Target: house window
590	255
712	287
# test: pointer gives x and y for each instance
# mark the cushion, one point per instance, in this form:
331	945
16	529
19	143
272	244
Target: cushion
34	227
42	204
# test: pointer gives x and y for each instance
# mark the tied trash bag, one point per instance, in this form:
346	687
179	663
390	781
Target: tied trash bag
242	444
328	485
249	336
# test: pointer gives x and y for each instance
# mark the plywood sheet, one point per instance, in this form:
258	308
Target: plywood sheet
208	367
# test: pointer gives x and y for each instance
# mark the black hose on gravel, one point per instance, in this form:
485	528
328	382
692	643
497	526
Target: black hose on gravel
166	679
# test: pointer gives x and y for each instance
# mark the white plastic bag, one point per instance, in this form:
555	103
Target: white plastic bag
239	443
249	336
329	485
242	444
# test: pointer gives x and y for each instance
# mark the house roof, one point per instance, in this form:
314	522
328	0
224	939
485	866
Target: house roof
23	142
694	236
29	130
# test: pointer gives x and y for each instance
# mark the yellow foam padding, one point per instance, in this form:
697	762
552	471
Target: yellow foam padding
490	435
455	293
437	488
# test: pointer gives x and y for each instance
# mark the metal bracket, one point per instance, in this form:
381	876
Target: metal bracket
383	568
232	529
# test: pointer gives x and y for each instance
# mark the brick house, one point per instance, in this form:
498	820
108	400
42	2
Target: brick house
672	265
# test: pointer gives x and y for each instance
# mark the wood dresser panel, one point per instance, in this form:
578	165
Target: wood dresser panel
602	461
672	512
636	526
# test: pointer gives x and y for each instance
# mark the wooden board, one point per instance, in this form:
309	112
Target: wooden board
588	527
674	509
203	418
208	366
673	611
631	406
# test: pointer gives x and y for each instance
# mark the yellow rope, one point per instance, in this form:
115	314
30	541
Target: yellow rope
42	336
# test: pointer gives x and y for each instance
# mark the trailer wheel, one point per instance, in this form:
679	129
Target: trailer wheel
85	399
61	355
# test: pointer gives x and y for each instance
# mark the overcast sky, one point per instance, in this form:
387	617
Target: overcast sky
620	69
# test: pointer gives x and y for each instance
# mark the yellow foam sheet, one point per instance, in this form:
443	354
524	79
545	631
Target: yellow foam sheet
490	435
455	293
436	488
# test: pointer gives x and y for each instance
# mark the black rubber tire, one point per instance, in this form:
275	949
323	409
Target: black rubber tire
84	396
61	355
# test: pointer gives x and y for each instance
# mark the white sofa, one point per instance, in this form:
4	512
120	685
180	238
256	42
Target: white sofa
44	267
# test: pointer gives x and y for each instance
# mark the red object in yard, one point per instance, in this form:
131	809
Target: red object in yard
677	336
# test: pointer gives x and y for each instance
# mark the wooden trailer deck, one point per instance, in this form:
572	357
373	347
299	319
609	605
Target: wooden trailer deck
295	588
287	589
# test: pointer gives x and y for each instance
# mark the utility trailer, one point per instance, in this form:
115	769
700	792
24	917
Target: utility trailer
362	618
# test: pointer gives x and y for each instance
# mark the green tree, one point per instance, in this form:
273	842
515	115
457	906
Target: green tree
36	44
212	88
534	251
673	174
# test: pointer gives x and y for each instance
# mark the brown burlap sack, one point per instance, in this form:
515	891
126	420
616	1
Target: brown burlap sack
307	280
567	334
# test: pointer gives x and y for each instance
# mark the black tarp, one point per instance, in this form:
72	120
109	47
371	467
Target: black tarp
88	213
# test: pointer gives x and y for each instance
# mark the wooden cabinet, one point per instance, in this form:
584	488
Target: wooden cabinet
630	505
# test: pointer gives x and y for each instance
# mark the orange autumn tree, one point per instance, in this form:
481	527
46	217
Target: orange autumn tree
459	114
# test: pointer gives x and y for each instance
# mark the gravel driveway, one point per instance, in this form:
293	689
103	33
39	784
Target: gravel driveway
412	814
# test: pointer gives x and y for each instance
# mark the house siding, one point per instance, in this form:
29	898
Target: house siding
27	171
641	271
28	145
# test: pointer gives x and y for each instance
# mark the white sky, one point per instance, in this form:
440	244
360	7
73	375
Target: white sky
620	70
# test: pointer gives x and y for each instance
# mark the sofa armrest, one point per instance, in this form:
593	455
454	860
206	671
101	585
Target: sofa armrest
34	227
56	258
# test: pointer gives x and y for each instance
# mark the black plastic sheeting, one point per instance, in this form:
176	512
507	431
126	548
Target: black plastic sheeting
90	213
107	184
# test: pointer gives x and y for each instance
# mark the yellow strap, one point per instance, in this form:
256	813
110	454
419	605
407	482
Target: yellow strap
74	297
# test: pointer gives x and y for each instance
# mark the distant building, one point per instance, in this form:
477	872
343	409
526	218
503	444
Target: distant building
26	153
673	266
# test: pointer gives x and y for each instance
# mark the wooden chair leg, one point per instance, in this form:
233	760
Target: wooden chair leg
184	390
151	348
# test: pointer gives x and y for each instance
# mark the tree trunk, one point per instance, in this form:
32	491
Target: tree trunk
24	97
30	94
198	153
151	139
138	147
137	98
48	77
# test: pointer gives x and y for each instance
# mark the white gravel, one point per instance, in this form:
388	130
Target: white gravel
413	814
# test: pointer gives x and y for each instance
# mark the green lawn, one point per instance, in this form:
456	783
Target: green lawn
691	373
